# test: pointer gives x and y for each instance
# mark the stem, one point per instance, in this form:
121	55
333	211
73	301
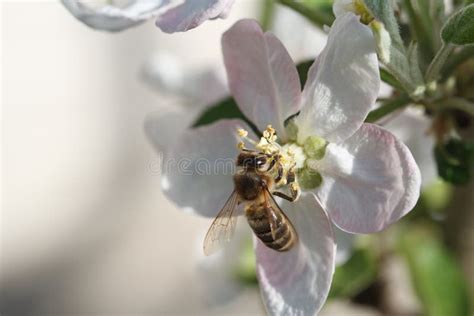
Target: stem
387	108
437	63
460	104
318	18
388	78
456	60
266	14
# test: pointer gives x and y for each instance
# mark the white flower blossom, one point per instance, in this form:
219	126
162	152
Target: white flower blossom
367	178
171	15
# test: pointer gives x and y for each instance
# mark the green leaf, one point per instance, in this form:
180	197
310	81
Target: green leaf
459	29
426	18
387	108
412	55
318	3
398	63
455	160
436	276
225	109
319	16
355	275
246	269
390	79
303	69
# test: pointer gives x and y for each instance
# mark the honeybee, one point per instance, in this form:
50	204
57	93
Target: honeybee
253	184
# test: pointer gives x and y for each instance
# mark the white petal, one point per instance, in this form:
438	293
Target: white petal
114	18
262	76
412	128
369	181
192	13
198	171
343	83
340	7
297	282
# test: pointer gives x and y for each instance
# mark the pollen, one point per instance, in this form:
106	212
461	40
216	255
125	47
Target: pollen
288	159
242	132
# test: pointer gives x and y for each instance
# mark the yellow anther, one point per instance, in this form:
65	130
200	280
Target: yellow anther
242	132
240	145
270	129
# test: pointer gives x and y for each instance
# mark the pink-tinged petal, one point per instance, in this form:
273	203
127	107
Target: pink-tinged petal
198	169
297	282
262	76
343	83
115	18
192	13
370	180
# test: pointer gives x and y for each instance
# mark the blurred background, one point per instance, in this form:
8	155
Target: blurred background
85	228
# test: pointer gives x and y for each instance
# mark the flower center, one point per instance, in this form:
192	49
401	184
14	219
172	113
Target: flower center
292	158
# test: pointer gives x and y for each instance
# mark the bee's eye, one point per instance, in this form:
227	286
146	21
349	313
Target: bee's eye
261	161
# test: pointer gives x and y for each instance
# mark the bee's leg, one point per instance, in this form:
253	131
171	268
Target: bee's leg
295	193
284	196
279	174
294	188
249	150
275	159
271	165
291	181
290	177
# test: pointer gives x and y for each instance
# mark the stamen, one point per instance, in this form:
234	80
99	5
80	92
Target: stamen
244	135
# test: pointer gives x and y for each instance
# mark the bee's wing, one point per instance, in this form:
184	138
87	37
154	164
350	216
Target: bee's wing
223	226
274	211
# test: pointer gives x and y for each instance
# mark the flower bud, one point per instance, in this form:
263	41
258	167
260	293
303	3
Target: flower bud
383	41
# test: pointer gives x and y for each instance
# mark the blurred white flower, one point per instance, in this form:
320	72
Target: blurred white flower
193	89
171	15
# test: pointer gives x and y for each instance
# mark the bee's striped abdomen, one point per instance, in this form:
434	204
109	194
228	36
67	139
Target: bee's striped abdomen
285	236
